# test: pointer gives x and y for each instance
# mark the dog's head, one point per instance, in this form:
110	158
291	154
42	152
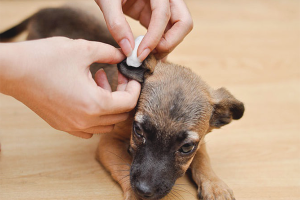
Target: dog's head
175	111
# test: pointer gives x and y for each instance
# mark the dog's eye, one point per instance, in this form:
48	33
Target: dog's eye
187	148
137	130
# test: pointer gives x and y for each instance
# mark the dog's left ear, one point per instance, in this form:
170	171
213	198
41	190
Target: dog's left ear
138	73
226	108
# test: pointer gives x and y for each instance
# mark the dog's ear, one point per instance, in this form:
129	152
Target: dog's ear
138	73
226	108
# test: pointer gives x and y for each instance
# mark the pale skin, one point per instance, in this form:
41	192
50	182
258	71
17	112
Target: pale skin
167	23
51	76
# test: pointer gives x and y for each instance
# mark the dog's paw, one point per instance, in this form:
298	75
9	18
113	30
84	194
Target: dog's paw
129	195
214	190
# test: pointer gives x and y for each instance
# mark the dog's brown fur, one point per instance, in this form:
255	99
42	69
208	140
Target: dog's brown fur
174	102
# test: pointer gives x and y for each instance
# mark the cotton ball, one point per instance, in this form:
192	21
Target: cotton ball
133	60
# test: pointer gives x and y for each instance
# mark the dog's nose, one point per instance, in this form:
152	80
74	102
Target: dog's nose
144	190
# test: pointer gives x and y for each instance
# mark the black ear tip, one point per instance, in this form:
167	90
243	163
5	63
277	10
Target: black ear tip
238	110
135	73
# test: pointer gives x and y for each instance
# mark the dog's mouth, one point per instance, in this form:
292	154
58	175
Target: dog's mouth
150	187
146	193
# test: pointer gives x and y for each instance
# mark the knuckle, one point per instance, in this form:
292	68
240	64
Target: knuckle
115	24
84	45
92	109
166	48
167	14
80	124
189	24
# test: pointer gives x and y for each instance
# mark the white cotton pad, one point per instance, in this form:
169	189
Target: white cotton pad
133	60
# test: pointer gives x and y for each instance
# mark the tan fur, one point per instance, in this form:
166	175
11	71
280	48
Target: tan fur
210	186
173	99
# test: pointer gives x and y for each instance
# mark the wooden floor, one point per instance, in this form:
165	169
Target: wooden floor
250	47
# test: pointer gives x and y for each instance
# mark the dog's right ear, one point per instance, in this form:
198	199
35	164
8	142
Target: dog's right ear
226	108
138	73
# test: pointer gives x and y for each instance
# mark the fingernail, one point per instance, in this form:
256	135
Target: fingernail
126	47
144	54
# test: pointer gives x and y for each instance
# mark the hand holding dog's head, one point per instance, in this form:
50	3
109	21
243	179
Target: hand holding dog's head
138	73
175	111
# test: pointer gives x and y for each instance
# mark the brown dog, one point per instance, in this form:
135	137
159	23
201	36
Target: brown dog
164	137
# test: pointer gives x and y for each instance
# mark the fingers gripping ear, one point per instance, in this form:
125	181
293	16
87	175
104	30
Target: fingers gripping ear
117	24
138	73
226	108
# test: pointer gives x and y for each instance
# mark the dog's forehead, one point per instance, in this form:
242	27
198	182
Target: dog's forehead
174	99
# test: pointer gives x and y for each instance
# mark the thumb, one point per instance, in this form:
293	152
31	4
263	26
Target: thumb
117	24
103	53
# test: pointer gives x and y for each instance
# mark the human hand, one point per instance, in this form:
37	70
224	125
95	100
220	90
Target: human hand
167	21
51	76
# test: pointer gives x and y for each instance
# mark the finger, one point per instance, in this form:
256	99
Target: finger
122	82
99	129
101	80
134	8
111	119
103	53
145	17
181	24
159	20
81	134
106	120
122	101
117	24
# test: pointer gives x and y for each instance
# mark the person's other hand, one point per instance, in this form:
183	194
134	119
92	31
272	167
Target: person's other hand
167	23
51	76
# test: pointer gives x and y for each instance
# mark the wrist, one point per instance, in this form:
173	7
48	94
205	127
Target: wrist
10	67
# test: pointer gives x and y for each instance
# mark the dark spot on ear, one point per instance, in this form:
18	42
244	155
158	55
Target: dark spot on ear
135	73
237	110
227	108
221	121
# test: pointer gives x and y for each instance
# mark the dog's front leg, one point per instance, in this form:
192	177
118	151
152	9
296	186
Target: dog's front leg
112	154
210	186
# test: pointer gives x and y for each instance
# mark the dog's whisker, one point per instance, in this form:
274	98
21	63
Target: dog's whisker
126	176
182	189
118	164
122	170
174	195
125	180
125	162
180	184
169	195
176	191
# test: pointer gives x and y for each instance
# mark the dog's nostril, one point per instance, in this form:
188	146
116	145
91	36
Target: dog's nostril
144	190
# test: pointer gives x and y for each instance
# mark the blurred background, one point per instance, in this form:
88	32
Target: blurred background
250	47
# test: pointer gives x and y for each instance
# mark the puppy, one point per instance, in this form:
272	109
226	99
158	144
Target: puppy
164	135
